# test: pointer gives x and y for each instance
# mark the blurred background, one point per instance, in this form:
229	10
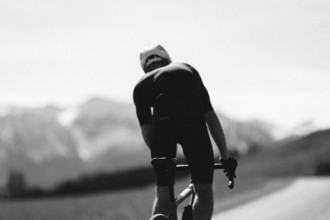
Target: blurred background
68	69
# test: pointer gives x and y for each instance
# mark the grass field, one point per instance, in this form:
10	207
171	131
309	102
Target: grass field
120	205
258	174
125	205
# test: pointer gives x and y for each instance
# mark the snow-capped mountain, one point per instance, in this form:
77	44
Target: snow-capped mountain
51	144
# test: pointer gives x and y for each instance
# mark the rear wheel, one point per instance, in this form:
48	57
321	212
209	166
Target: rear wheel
158	217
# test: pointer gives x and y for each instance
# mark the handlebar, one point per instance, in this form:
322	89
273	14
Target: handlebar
231	182
182	167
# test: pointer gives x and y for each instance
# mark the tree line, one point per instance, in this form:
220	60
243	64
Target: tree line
92	183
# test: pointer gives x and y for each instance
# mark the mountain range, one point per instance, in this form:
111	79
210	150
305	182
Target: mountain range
51	144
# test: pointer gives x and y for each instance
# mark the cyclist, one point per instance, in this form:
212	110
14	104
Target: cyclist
173	107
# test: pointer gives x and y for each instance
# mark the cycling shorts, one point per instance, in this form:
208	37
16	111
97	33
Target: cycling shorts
192	134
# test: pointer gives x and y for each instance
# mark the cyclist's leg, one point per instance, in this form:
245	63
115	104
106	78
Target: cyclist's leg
203	202
162	201
163	145
198	152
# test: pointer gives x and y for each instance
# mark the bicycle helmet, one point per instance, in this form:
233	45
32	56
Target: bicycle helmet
154	50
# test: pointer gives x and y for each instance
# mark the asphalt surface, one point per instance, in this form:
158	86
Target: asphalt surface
304	199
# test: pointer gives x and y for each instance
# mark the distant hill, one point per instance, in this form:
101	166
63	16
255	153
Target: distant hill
291	157
34	143
49	144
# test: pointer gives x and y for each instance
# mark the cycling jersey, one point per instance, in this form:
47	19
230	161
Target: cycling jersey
173	90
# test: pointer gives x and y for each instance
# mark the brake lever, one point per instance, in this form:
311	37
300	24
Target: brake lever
231	182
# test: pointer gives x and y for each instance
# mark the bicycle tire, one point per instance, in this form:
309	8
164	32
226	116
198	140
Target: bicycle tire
158	217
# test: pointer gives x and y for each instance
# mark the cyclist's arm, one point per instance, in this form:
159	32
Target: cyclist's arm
217	133
143	113
146	133
213	122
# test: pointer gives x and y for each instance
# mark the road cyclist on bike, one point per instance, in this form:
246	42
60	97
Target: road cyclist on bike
173	107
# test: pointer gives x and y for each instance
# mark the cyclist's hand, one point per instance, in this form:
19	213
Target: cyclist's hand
230	166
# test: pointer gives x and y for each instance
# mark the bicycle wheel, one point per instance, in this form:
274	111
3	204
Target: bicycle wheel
187	213
158	217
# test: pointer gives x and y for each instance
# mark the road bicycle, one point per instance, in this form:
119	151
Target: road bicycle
185	194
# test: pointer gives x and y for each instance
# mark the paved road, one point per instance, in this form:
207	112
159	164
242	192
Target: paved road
304	199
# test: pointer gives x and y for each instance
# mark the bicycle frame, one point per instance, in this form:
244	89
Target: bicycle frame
186	193
165	164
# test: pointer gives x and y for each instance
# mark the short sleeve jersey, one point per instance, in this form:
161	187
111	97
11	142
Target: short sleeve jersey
174	90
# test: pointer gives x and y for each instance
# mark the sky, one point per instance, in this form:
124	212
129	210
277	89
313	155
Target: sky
259	59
